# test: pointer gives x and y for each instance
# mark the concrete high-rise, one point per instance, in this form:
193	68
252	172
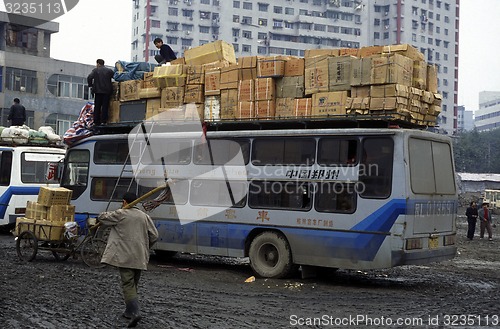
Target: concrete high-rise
488	115
289	27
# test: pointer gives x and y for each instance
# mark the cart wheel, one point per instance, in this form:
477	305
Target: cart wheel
91	252
61	256
27	246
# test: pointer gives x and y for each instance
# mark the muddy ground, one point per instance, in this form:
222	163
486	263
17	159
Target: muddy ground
209	292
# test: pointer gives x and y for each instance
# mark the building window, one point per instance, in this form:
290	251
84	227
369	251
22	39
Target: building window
246	48
262	22
60	123
247	5
236	4
68	86
247	34
386	35
278	10
289	11
376	35
205	2
173	11
20	80
22	37
155	23
236	32
236	19
204	29
263	7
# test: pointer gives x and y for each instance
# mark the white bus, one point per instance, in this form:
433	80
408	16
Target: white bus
354	198
23	169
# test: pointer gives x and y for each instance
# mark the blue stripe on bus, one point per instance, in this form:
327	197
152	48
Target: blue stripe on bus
15	190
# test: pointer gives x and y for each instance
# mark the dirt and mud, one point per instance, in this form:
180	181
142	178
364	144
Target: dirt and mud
209	292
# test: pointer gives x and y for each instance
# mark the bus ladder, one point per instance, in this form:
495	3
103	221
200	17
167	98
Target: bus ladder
139	132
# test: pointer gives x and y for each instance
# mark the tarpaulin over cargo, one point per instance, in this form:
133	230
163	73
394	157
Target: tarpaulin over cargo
131	70
81	127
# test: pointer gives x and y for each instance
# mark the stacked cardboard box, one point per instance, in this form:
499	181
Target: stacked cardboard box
210	84
46	216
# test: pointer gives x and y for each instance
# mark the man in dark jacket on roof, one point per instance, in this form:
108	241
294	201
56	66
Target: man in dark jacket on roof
99	80
166	53
17	114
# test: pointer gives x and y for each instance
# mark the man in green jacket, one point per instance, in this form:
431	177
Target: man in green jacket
131	236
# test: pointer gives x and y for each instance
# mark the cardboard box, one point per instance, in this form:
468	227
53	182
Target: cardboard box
210	52
172	96
360	91
24	224
114	111
129	90
265	89
329	103
34	210
420	74
229	77
170	75
246	90
392	68
361	71
194	94
316	75
212	82
428	97
405	50
265	109
148	81
293	107
432	80
294	67
291	87
152	106
195	74
61	213
212	108
359	103
390	90
49	231
370	51
270	67
49	196
302	107
149	92
388	103
228	103
247	67
194	111
348	52
284	107
339	73
320	52
245	110
115	96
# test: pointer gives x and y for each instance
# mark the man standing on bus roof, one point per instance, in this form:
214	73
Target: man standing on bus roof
99	80
484	215
471	214
17	113
132	235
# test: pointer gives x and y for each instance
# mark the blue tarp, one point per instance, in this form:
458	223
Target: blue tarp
131	70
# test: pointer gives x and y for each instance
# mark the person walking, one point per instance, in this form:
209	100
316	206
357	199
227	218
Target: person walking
17	113
99	80
484	215
471	214
131	236
166	53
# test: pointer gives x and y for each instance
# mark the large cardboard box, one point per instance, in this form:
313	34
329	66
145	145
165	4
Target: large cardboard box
392	68
248	67
320	52
389	90
194	94
210	52
302	107
359	103
405	50
149	92
212	82
34	210
24	224
245	110
388	103
339	73
294	67
61	213
265	109
348	52
360	91
152	106
172	96
293	107
265	89
115	95
228	103
114	112
270	67
370	51
316	75
212	108
432	82
195	74
148	81
49	196
129	90
170	75
420	74
49	231
292	87
246	90
361	71
229	77
284	107
329	103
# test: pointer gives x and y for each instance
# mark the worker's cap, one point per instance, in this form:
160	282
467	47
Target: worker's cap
129	197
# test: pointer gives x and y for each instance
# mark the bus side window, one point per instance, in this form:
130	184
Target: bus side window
336	197
375	173
337	151
5	168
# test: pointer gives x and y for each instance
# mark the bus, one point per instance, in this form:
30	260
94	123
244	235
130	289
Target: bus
350	198
23	169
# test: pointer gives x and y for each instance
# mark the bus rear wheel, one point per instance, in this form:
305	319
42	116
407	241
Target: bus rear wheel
271	256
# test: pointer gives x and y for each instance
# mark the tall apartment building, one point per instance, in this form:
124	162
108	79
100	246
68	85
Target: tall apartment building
289	27
488	115
465	119
53	91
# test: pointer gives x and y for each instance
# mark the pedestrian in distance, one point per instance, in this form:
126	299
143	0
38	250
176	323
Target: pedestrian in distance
17	113
471	214
166	53
101	86
131	236
484	215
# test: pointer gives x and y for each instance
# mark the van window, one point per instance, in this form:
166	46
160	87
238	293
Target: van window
336	197
34	166
5	167
280	195
375	172
337	151
75	175
111	152
222	152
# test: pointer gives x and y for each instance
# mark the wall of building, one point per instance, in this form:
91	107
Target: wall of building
488	115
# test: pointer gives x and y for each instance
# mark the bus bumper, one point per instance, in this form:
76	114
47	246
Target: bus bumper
423	256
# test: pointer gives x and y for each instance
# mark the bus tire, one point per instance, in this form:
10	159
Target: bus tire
165	255
271	256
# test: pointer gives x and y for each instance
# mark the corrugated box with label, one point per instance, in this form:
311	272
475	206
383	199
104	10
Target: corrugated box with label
420	74
170	75
321	52
361	71
246	90
210	52
149	92
302	107
248	67
270	67
294	67
329	103
316	75
229	77
172	96
392	68
194	94
389	90
245	110
265	109
64	213
228	103
195	74
34	210
339	73
152	106
212	108
292	87
284	107
405	50
348	52
148	80
370	51
265	89
49	196
129	90
212	82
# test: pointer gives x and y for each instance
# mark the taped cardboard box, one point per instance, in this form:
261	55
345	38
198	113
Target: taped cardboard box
170	75
319	52
420	74
212	108
152	106
370	51
339	73
195	74
149	92
294	67
392	68
49	196
194	94
114	111
59	213
302	107
248	67
49	231
24	224
292	87
265	109
34	210
129	90
245	110
115	95
172	96
359	103
388	103
212	82
348	52
148	81
229	77
194	112
389	90
265	89
361	71
360	91
270	67
316	75
329	103
405	50
210	52
246	90
228	103
284	107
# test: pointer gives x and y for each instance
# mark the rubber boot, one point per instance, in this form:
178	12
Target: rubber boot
128	311
136	317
